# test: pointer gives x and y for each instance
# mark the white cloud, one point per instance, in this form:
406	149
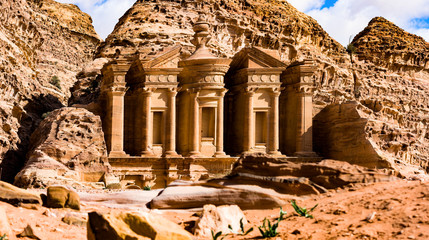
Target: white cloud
104	13
348	17
306	5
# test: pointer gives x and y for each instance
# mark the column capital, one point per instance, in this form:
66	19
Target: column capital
276	91
250	90
306	89
146	90
173	91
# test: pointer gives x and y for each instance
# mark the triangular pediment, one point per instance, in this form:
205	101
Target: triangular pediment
256	58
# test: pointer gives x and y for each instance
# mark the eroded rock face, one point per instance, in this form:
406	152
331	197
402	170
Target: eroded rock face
39	39
67	148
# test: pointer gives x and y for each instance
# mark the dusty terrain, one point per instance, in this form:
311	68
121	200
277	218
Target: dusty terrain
401	212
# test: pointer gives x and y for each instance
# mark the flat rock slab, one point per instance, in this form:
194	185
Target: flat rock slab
15	195
198	195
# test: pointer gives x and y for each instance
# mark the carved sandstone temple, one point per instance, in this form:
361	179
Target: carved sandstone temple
168	118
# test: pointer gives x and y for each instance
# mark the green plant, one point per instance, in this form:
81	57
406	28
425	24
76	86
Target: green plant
242	231
4	237
147	188
270	230
303	211
45	115
216	236
351	49
55	80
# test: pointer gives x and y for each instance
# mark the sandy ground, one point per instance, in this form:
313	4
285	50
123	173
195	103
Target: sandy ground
401	212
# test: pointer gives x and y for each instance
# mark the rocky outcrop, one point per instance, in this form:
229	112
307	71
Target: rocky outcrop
43	45
14	195
5	229
341	132
387	45
66	148
139	226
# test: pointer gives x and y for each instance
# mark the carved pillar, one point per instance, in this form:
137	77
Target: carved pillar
116	131
219	127
304	134
273	144
170	143
195	126
249	139
146	129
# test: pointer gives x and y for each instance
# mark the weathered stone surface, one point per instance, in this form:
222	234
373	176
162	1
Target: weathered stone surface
67	148
139	226
341	133
61	197
40	39
198	195
15	195
219	219
74	220
4	225
282	176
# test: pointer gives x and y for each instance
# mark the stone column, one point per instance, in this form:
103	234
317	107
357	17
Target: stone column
249	139
219	127
195	126
170	143
116	102
273	144
147	122
304	128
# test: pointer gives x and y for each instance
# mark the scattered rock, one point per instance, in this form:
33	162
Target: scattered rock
15	195
219	219
31	232
139	226
370	217
74	220
61	197
198	195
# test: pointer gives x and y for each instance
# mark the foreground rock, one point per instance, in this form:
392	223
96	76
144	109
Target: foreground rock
61	197
139	226
4	225
197	195
67	148
218	219
15	195
31	232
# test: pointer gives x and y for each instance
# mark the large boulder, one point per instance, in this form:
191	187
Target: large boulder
67	148
216	219
138	226
196	195
15	195
61	197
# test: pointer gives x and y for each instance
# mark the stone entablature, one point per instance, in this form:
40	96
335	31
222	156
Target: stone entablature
186	111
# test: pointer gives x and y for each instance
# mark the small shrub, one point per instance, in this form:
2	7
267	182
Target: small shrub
147	188
216	236
4	237
242	231
270	230
55	81
303	211
45	115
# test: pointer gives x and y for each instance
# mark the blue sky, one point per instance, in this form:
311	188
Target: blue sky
340	18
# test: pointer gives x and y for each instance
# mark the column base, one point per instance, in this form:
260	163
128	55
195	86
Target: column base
276	154
115	154
220	155
194	154
171	154
306	154
147	154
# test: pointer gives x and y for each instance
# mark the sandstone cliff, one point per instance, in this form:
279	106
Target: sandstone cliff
43	45
392	102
